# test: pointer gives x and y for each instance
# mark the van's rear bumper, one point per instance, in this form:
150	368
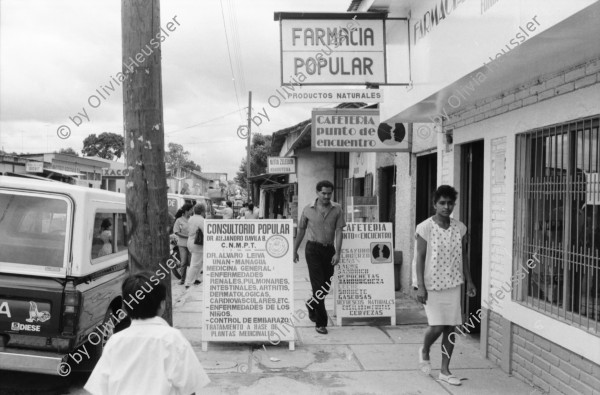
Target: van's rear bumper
33	361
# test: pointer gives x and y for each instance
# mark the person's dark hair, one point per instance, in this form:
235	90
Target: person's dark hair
229	204
105	224
445	191
245	205
186	207
324	184
153	294
250	206
179	213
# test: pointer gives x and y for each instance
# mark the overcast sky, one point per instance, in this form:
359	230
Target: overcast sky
55	54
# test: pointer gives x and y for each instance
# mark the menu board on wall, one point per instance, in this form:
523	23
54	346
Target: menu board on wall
366	272
248	281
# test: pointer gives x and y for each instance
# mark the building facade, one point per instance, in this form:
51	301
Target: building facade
509	95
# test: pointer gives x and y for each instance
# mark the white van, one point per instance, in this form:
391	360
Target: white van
63	258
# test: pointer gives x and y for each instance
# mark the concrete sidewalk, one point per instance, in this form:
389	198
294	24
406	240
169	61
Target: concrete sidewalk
349	360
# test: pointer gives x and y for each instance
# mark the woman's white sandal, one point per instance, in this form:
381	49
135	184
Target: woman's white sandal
450	379
424	365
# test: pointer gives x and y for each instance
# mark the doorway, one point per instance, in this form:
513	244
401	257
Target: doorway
471	214
426	185
387	195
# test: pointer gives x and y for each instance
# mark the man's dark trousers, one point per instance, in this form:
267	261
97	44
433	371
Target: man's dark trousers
320	271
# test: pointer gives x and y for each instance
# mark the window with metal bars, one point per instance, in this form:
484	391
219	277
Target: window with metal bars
557	222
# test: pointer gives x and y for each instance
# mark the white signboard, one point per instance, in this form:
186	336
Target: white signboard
592	188
347	130
281	165
333	51
335	96
366	272
248	281
34	167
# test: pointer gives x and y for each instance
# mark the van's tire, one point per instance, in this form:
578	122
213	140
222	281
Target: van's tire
96	343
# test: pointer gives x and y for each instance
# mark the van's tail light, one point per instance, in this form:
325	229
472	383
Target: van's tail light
70	311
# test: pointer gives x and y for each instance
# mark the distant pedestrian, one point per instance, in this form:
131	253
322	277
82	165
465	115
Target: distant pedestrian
196	222
149	357
243	211
181	230
251	212
227	212
440	271
324	221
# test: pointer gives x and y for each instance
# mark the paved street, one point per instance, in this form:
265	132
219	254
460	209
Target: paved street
360	359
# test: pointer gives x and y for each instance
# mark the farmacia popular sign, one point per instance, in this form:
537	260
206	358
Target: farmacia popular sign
332	51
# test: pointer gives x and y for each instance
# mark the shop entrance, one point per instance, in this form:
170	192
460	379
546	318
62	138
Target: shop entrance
426	185
471	214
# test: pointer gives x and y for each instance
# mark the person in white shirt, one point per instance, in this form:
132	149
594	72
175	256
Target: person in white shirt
251	212
149	357
227	212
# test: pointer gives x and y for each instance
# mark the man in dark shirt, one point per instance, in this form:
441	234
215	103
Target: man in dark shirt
323	220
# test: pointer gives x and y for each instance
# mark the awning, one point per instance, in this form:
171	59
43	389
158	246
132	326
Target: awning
63	172
272	187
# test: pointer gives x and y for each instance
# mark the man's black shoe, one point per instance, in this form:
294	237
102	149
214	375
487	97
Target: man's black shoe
311	313
197	282
321	329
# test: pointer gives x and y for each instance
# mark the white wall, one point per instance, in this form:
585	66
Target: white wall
312	168
580	103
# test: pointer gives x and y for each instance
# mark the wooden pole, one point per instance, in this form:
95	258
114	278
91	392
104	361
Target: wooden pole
248	183
146	184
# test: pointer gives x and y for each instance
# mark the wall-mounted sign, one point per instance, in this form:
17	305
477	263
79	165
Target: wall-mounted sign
34	167
281	165
114	173
329	49
353	130
335	96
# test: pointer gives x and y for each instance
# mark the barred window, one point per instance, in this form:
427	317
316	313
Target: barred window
557	222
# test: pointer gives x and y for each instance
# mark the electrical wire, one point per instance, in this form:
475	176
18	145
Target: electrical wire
205	122
229	55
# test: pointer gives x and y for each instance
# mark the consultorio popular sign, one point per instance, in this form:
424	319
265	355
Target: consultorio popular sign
366	272
248	281
347	130
333	51
281	165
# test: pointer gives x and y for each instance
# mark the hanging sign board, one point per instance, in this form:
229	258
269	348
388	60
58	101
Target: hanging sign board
335	96
330	49
366	272
281	165
248	281
357	130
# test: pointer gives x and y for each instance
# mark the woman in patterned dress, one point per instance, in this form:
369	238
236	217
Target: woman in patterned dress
440	273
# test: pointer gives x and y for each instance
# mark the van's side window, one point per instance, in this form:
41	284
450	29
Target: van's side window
110	234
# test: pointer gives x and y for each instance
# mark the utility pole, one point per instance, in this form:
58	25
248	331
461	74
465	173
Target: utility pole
248	184
146	184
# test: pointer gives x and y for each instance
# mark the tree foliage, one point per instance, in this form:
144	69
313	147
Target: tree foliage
259	151
106	145
68	151
176	157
